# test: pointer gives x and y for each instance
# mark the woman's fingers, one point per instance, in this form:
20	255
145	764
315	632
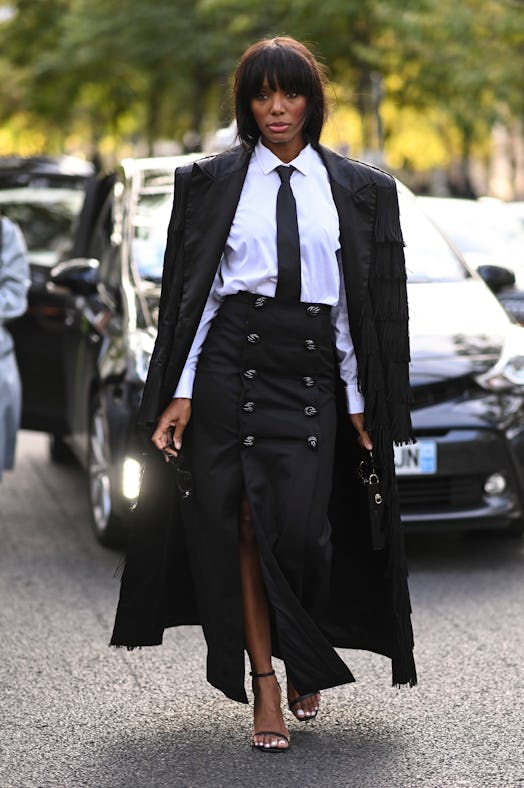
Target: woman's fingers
167	436
364	439
162	438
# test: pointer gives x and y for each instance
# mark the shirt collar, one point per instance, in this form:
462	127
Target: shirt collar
267	161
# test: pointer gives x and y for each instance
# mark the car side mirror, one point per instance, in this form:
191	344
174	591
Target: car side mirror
79	275
496	277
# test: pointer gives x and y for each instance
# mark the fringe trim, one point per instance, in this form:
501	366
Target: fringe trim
384	328
387	220
389	262
384	379
393	340
403	662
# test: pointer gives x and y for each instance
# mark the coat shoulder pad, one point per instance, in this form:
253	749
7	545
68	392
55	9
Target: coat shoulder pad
353	173
223	164
374	175
184	171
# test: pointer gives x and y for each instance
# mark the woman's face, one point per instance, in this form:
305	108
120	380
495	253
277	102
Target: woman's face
280	116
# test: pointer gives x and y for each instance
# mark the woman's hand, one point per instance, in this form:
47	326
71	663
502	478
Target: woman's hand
171	425
357	420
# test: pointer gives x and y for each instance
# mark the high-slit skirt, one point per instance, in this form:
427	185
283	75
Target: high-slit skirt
263	424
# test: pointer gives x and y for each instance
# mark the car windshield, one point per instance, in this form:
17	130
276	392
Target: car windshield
429	258
46	217
485	230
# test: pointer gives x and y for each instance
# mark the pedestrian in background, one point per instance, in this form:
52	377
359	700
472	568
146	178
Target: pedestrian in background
281	360
14	281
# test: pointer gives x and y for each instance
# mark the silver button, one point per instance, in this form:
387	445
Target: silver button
310	410
250	373
309	344
308	381
313	309
253	338
248	407
259	302
249	440
312	441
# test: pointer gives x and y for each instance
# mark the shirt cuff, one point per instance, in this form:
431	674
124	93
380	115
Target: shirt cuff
185	384
355	400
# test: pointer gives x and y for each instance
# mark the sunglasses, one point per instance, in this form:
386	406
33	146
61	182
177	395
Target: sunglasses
183	476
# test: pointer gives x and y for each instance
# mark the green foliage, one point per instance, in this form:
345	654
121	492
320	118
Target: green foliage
138	70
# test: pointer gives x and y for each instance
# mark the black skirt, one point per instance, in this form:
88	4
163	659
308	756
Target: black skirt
263	424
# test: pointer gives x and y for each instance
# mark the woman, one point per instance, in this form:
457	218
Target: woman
257	378
14	281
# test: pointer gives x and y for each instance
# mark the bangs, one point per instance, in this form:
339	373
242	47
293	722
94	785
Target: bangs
282	68
286	64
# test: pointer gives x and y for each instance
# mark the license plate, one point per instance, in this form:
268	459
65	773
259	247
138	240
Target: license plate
421	458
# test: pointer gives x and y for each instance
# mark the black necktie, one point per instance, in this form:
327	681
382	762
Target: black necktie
288	244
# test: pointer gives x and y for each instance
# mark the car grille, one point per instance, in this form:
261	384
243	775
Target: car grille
432	493
441	391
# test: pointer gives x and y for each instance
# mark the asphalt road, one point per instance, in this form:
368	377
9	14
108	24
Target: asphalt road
76	713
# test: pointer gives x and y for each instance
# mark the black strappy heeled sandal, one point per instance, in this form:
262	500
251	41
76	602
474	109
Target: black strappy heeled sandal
262	747
298	700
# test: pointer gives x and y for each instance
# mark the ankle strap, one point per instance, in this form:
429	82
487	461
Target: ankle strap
261	675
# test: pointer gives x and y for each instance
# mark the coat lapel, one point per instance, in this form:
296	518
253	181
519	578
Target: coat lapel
214	192
354	197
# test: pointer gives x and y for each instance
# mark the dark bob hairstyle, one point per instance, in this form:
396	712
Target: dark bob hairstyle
290	65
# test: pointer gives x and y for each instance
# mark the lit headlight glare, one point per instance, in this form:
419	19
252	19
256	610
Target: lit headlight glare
131	479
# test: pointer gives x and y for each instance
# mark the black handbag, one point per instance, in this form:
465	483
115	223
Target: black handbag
375	498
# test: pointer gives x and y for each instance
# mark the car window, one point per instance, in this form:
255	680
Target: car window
429	257
102	247
150	222
484	230
47	218
150	234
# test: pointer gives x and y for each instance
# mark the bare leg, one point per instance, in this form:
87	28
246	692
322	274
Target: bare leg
257	636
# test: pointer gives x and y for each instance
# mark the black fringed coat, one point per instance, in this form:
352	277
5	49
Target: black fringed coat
370	607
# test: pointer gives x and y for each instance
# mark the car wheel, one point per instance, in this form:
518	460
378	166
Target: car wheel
60	452
108	528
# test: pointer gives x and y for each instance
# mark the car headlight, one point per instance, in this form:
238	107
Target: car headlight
508	372
141	344
132	472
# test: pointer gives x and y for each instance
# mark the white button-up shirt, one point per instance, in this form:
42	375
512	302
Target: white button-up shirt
249	261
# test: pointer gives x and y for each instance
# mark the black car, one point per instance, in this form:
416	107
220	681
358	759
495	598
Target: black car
45	196
110	299
467	374
467	469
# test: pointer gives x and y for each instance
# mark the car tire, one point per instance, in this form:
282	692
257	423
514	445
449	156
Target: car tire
59	451
108	528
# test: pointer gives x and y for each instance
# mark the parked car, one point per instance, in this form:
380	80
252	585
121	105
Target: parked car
111	297
467	469
45	197
490	238
516	209
465	472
